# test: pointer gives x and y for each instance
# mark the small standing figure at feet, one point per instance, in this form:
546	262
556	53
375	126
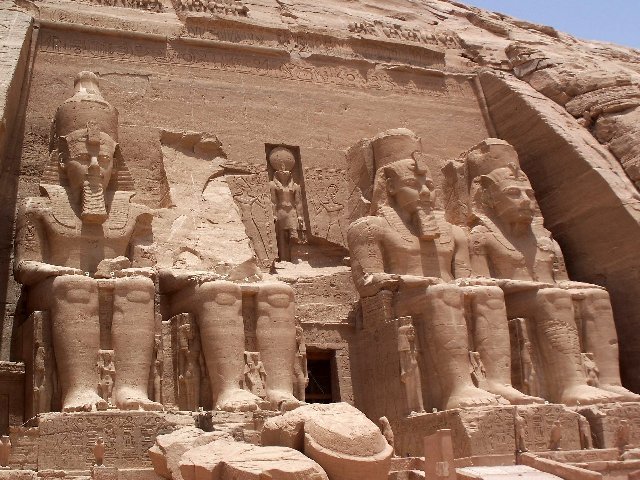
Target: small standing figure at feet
255	376
555	436
409	369
586	442
387	432
5	451
98	452
300	367
286	197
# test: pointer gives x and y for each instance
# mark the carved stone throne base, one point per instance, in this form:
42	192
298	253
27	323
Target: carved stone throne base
489	431
605	421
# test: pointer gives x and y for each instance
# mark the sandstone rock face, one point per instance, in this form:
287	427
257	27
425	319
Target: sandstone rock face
424	210
339	437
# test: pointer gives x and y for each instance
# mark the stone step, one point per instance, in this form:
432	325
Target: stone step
503	473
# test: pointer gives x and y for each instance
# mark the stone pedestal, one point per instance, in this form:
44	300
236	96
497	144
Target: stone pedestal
66	440
489	431
104	473
605	421
11	395
438	456
6	474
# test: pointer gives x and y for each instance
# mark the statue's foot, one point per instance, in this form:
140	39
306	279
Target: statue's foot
587	395
513	396
625	395
283	401
84	401
133	400
238	400
473	397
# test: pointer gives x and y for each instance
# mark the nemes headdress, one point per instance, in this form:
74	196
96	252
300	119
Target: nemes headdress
397	154
85	117
488	163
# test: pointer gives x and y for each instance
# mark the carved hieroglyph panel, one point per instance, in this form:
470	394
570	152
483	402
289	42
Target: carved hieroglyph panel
326	191
67	440
251	194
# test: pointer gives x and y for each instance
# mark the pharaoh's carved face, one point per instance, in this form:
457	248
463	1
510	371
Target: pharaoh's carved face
513	200
411	189
89	161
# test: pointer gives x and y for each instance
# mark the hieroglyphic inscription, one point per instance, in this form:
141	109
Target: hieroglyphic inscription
219	7
67	440
356	47
326	200
538	422
150	5
605	422
337	73
396	31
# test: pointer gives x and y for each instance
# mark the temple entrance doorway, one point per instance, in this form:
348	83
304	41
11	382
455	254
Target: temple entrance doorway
321	366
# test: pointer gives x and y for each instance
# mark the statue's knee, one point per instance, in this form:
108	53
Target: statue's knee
598	294
136	289
555	298
74	288
277	295
220	292
451	295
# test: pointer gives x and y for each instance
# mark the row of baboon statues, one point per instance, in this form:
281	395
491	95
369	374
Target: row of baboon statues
85	231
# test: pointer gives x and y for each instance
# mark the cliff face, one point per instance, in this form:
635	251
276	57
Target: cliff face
322	75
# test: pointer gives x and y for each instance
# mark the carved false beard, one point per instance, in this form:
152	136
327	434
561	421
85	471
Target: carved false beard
93	207
426	224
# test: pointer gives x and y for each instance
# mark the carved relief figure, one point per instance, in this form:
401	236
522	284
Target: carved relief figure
506	244
107	372
520	426
84	218
623	434
409	370
406	245
255	376
216	305
98	452
478	372
329	214
555	435
286	197
300	366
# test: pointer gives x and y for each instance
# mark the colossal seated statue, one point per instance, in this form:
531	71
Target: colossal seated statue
507	244
82	228
405	245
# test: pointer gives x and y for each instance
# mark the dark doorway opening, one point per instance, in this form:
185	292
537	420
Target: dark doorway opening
320	366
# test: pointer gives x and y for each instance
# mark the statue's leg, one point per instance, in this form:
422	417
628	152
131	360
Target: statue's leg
601	339
559	344
219	315
276	337
492	341
446	333
132	334
76	340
